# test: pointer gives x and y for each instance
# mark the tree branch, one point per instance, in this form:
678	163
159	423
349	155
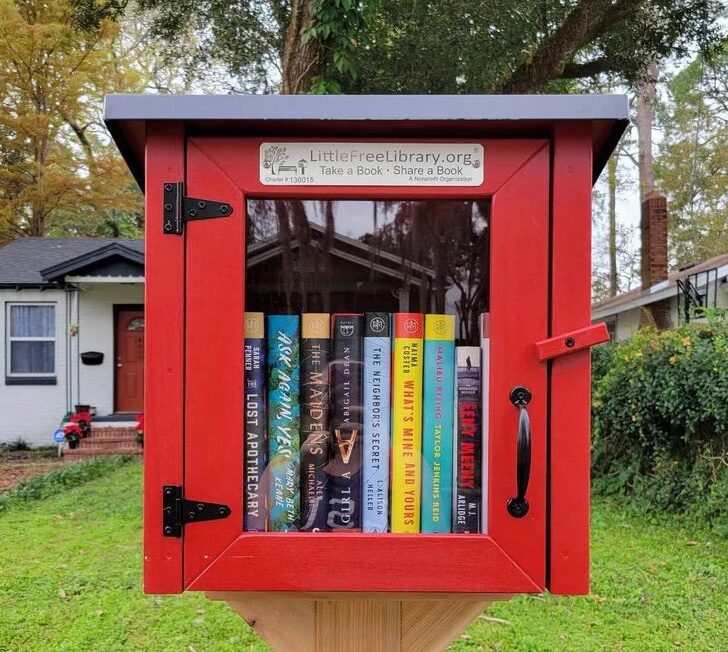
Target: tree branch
81	135
280	13
589	68
588	20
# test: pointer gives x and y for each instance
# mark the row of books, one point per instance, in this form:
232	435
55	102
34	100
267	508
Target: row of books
363	422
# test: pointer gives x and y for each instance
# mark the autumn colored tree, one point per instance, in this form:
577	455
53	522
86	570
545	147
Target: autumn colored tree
59	172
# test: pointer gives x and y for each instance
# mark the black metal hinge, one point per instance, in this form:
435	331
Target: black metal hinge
178	511
179	209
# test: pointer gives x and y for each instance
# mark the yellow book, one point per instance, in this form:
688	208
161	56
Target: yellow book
407	364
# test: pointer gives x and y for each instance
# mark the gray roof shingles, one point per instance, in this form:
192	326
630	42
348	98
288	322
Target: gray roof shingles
22	260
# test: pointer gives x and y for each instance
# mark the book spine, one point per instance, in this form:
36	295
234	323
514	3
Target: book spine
407	366
256	446
346	424
283	422
485	409
377	363
468	441
437	423
315	437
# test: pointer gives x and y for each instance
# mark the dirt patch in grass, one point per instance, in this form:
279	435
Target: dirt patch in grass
18	465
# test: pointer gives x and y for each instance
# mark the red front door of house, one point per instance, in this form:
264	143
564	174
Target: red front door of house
129	375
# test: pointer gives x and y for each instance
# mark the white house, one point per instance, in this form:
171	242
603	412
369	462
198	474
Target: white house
73	325
668	303
72	332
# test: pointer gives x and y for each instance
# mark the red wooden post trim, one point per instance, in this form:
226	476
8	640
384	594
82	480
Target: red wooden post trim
217	555
518	258
164	358
239	159
214	344
570	375
442	563
573	341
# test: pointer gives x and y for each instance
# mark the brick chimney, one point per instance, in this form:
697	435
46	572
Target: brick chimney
654	240
654	258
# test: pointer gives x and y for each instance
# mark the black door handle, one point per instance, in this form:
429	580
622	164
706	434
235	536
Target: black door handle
518	506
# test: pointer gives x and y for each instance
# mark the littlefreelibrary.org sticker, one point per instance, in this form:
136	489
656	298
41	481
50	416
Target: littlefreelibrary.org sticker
372	164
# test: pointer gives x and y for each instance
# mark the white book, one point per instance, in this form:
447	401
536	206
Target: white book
484	330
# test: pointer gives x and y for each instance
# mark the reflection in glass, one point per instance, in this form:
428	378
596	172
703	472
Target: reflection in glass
136	324
368	256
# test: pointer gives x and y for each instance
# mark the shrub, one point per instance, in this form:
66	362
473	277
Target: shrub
14	446
660	420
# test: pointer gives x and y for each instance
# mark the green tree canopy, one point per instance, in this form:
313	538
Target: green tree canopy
439	46
692	165
475	46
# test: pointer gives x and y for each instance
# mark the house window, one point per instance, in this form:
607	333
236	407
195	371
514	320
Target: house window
31	340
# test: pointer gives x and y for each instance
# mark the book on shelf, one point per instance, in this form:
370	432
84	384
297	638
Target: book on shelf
468	444
315	436
484	329
255	445
437	423
406	452
377	363
345	466
283	422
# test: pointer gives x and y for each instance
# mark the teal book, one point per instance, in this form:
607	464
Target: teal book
284	419
438	410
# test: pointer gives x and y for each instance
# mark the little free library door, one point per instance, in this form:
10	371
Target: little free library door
339	229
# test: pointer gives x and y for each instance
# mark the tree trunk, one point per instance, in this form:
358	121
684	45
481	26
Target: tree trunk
36	224
644	118
301	62
612	184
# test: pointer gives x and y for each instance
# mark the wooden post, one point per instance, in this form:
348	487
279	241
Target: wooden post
358	622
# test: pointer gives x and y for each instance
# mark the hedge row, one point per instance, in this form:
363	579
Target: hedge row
660	421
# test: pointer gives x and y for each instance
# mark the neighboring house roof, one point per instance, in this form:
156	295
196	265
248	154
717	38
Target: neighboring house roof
348	249
638	297
42	261
37	262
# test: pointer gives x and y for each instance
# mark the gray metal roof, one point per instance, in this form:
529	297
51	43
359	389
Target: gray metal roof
365	107
22	260
386	116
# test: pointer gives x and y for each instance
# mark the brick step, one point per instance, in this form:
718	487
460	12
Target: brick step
112	433
94	452
107	443
127	439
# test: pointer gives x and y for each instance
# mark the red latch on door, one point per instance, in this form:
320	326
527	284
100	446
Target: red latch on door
577	340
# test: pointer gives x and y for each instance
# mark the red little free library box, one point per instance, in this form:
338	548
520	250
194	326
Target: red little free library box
343	204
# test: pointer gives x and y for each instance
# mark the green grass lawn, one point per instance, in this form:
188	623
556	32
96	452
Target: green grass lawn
70	577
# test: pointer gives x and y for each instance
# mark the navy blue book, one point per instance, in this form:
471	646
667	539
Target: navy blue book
468	484
345	467
315	435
